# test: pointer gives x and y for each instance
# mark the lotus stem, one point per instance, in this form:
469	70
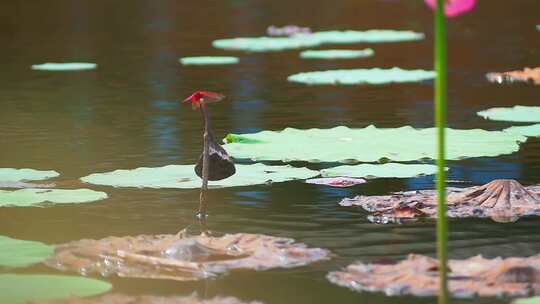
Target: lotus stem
440	122
203	203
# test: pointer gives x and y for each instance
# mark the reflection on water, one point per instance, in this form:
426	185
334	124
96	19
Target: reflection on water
127	114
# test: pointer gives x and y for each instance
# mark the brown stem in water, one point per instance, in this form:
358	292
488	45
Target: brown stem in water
203	203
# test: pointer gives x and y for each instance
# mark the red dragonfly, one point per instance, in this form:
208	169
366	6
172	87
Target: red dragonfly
203	96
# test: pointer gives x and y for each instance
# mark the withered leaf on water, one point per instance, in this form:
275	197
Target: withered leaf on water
501	200
145	299
340	182
527	75
417	275
182	258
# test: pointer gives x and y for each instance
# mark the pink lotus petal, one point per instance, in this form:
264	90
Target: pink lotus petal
336	181
454	8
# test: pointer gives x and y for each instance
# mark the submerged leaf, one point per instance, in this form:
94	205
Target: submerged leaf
388	170
183	176
337	181
266	44
417	275
369	144
527	75
19	175
32	197
501	200
20	253
68	66
146	299
336	54
182	258
516	113
208	60
20	288
362	76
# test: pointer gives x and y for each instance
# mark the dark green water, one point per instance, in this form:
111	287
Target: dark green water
126	114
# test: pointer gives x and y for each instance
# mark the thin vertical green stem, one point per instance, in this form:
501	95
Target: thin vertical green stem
440	122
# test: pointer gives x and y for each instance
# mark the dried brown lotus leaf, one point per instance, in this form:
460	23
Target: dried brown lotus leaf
124	299
527	75
417	275
182	258
145	299
220	165
502	200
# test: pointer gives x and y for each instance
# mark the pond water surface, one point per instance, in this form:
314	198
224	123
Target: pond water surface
126	114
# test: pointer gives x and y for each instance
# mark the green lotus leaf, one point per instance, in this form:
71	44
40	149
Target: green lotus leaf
208	60
266	44
530	131
381	171
20	253
361	76
533	300
369	144
17	175
32	197
538	27
21	288
69	66
183	176
369	36
516	113
336	54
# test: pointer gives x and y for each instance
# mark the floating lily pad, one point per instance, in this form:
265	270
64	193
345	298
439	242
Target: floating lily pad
183	176
182	258
526	75
381	171
22	185
340	182
516	113
145	299
336	54
32	197
370	144
70	66
530	131
501	200
18	175
266	44
362	76
533	300
418	276
208	60
21	288
19	253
